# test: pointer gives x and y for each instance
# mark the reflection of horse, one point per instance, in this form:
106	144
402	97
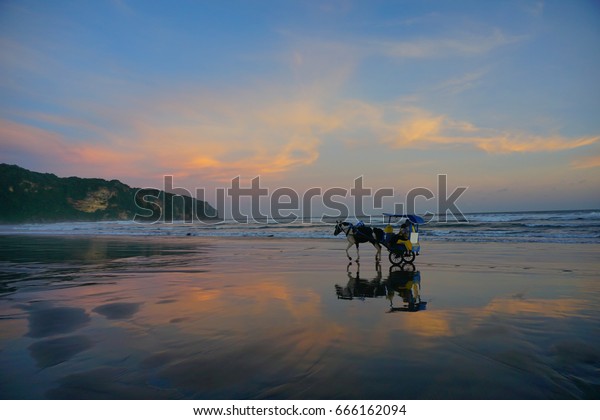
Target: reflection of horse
360	234
360	288
405	281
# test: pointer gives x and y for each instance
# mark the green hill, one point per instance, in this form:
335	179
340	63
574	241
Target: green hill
27	196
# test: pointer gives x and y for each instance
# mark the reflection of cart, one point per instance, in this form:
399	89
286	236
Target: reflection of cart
403	250
405	281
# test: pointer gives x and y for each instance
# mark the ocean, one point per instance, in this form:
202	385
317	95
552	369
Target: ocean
570	226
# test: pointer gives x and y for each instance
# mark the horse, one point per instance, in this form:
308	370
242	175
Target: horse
361	288
360	234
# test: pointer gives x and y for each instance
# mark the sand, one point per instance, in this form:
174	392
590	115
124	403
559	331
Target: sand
218	318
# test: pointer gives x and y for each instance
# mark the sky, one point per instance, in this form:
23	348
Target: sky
501	96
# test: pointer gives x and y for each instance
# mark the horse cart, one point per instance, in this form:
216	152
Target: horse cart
403	246
402	249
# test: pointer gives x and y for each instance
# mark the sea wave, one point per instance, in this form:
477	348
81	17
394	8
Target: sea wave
541	215
556	227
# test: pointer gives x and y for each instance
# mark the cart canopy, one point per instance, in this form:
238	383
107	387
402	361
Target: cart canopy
412	217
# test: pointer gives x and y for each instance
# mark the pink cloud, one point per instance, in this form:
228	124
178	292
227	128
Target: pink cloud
587	162
24	140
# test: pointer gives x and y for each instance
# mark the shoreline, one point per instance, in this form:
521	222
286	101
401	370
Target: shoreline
449	255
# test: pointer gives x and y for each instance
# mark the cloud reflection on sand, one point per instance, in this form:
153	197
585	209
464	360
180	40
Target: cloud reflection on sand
53	321
51	352
239	320
119	310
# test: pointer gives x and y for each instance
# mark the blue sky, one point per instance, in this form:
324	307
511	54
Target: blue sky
503	97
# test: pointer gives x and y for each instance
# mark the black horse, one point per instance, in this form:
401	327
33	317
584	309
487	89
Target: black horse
360	234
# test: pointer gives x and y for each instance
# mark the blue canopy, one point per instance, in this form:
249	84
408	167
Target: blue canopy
412	217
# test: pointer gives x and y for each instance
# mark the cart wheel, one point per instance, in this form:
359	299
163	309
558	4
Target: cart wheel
395	258
408	267
408	256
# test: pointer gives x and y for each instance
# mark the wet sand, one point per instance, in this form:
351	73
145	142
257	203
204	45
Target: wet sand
218	318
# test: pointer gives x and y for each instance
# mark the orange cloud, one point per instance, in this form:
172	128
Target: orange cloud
444	323
508	143
94	155
420	129
221	139
301	150
548	308
430	324
216	138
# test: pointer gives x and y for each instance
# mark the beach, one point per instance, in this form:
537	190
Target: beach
105	317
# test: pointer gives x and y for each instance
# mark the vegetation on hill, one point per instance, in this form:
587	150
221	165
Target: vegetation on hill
27	196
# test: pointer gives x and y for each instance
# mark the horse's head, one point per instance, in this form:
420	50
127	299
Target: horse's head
338	228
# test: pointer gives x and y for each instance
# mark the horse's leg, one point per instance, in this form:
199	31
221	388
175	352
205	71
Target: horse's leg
357	254
378	253
347	248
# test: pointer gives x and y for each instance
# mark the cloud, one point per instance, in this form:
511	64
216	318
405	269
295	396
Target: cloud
462	83
536	9
408	127
318	66
123	7
24	142
223	137
272	127
219	137
586	162
420	129
430	324
548	308
299	151
507	142
464	45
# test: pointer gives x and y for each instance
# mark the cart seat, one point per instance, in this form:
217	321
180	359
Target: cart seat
414	237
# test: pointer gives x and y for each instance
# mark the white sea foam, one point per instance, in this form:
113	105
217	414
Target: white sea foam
564	226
